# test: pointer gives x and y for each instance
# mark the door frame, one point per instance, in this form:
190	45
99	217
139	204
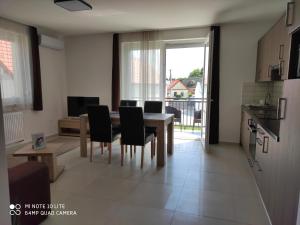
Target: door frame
188	43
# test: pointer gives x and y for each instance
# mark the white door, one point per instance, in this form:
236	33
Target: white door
4	193
206	97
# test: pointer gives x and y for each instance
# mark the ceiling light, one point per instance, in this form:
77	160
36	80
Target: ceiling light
73	5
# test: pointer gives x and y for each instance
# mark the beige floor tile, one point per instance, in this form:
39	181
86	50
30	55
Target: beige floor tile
195	187
154	196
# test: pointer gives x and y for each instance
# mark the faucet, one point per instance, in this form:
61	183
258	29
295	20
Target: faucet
268	98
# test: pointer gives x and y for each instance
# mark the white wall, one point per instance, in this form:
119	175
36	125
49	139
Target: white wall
54	95
89	66
237	65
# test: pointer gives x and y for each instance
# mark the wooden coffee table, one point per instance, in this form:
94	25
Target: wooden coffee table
48	155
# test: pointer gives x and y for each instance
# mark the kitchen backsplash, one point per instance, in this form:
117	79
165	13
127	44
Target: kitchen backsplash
252	93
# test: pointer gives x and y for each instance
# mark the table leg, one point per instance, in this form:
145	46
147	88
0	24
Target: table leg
170	138
161	153
83	136
54	169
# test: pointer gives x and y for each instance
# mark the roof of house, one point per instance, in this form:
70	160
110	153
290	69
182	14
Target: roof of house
174	83
6	61
188	83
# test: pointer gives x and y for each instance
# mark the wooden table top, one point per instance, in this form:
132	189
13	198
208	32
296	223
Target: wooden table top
147	116
51	148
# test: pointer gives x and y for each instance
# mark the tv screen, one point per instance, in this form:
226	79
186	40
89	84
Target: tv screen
78	105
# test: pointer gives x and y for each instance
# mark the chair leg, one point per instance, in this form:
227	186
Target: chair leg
91	152
109	149
101	146
131	151
142	158
152	143
125	148
134	149
122	154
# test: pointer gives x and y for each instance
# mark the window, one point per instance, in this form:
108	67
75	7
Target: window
15	71
141	69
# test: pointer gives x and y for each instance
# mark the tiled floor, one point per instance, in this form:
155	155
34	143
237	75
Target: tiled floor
195	187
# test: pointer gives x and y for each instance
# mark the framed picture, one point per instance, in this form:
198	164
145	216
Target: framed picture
38	141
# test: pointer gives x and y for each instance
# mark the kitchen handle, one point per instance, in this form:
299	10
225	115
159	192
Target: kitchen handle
281	52
289	19
280	115
265	148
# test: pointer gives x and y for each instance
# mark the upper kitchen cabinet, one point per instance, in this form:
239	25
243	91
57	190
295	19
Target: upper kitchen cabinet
273	53
293	15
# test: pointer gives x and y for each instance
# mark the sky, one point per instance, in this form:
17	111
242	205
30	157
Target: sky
181	61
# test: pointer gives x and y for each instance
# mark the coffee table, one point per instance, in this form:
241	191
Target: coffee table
48	155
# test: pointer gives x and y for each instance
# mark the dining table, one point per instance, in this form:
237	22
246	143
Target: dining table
164	124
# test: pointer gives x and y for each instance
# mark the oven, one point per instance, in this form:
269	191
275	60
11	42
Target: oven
252	127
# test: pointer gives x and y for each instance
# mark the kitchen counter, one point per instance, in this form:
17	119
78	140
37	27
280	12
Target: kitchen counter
266	117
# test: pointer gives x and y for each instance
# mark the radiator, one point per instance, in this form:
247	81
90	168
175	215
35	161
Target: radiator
13	127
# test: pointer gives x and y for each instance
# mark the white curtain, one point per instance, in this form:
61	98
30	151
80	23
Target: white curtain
141	67
15	75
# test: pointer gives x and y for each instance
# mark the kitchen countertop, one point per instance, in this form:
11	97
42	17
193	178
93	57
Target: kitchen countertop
265	117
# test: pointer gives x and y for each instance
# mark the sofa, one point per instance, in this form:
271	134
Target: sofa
29	184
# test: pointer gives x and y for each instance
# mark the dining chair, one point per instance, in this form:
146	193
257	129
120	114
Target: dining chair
101	128
132	103
128	103
177	114
153	107
133	131
197	118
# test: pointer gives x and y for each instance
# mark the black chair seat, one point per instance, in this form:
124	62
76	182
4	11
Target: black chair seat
151	130
148	137
115	135
116	128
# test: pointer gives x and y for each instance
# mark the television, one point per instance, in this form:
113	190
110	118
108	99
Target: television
78	105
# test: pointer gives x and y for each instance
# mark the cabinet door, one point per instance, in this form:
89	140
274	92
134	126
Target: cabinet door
263	158
288	177
283	48
296	15
259	60
266	58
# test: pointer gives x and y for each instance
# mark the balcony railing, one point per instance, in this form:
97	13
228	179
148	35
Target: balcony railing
189	112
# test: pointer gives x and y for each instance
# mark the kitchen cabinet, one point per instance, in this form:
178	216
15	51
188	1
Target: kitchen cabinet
288	158
266	148
273	52
296	17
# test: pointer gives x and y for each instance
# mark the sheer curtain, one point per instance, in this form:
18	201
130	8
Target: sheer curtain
141	67
15	76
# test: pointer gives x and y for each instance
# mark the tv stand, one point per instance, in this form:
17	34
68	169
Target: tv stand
69	126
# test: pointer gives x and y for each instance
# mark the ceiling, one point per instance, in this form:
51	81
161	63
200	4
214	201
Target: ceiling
132	15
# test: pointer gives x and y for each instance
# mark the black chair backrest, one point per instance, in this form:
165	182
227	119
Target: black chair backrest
100	123
173	110
132	126
197	114
153	107
128	103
